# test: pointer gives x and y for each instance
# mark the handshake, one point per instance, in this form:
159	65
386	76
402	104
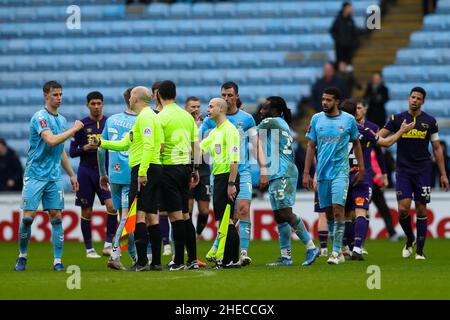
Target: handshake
94	141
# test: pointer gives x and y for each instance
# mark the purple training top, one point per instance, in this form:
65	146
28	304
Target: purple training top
412	148
91	128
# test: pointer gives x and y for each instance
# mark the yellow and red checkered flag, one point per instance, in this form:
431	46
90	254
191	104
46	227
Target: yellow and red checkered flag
129	227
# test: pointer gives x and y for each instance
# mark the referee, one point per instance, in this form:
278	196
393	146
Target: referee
144	144
223	144
180	138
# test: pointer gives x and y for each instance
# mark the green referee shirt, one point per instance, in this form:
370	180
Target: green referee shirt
143	142
180	131
223	143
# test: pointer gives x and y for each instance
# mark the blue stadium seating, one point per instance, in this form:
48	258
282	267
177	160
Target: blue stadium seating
199	46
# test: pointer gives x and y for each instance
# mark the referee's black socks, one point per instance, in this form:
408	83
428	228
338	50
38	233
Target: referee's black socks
202	220
154	233
191	240
179	237
141	241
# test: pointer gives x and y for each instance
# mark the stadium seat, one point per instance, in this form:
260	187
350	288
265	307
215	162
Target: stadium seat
158	10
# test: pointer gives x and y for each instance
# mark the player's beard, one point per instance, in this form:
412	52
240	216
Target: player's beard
414	107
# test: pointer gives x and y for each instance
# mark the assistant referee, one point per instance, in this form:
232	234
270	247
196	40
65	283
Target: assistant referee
144	144
223	144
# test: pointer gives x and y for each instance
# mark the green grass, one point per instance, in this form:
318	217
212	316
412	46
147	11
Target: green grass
400	278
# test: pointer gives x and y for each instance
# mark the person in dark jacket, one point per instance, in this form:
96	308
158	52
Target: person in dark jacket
11	171
345	34
329	79
376	96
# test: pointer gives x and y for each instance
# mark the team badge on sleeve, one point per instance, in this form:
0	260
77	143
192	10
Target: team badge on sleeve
43	123
309	129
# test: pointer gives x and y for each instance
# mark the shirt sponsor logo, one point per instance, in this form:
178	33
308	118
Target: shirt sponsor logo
147	132
43	123
415	134
218	148
330	139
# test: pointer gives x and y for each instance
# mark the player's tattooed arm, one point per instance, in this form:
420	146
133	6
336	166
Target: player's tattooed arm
68	168
439	155
56	139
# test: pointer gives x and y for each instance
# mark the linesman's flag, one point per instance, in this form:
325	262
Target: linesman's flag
223	231
130	225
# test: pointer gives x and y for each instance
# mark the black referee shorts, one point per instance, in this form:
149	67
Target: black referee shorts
202	191
175	188
220	195
149	200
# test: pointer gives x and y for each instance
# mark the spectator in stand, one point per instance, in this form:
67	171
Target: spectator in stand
128	2
345	73
11	171
376	96
426	6
345	34
329	79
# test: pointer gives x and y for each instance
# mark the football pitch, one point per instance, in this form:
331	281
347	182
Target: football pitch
399	278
